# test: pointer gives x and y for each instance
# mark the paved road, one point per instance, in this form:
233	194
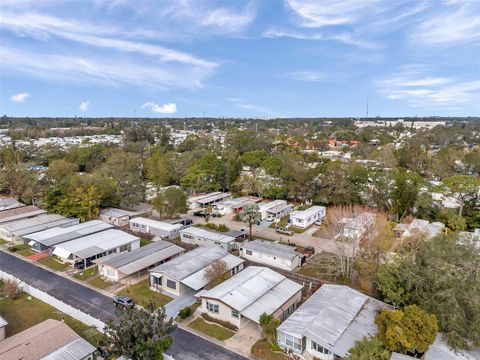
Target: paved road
186	346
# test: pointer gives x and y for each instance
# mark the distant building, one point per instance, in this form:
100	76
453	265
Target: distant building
120	217
274	210
118	266
202	201
48	340
157	228
272	254
19	213
234	205
310	216
9	203
200	236
186	273
247	295
328	324
418	226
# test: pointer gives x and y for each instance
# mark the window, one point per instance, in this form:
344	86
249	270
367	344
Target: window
171	284
213	308
124	248
319	348
156	280
235	314
188	236
249	252
293	342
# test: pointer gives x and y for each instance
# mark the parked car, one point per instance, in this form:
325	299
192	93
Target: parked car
284	231
81	265
124	301
270	218
201	213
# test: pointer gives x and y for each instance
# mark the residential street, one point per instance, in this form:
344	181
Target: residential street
186	346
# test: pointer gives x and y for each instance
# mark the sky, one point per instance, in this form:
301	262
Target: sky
292	58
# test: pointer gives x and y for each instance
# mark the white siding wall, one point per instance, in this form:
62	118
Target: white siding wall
224	312
316	354
271	260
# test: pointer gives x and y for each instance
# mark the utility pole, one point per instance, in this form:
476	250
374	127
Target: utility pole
367	107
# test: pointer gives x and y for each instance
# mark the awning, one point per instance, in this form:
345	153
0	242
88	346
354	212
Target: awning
31	243
62	253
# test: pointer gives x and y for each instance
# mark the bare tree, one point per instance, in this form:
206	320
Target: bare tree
217	273
11	288
350	227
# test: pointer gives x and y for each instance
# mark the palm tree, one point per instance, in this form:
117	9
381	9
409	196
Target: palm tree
250	215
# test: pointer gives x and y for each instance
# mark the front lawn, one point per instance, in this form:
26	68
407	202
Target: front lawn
263	350
85	274
26	311
298	230
282	223
22	249
216	331
144	242
98	282
142	294
3	241
52	263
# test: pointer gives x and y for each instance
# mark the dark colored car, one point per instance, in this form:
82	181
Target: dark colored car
82	264
201	213
124	301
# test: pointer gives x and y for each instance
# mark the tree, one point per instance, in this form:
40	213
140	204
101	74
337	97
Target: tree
463	187
405	192
250	215
60	169
139	334
81	203
269	325
368	349
254	158
170	202
217	273
340	261
159	169
442	276
409	330
206	175
272	165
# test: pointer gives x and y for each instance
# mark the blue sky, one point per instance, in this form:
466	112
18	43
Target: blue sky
240	58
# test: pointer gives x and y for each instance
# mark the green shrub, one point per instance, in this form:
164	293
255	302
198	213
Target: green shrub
185	312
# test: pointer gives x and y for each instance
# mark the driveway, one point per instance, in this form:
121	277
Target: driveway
186	346
178	303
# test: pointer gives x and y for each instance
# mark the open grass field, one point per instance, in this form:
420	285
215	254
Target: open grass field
142	294
26	311
216	331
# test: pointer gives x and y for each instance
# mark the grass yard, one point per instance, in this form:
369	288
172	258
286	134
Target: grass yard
85	274
216	331
25	252
53	264
282	223
22	249
263	350
98	282
2	242
144	242
26	311
142	294
298	230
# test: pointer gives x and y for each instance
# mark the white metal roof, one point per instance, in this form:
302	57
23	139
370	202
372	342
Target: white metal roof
20	213
253	291
210	235
335	316
213	197
440	350
203	196
115	212
271	204
75	350
94	244
130	262
271	248
58	235
305	214
35	224
156	224
9	203
190	267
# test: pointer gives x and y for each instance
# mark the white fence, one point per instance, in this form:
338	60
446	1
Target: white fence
56	303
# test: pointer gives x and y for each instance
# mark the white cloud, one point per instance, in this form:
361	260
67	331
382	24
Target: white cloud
19	98
421	91
170	108
84	105
457	23
104	70
310	76
316	14
343	37
228	20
